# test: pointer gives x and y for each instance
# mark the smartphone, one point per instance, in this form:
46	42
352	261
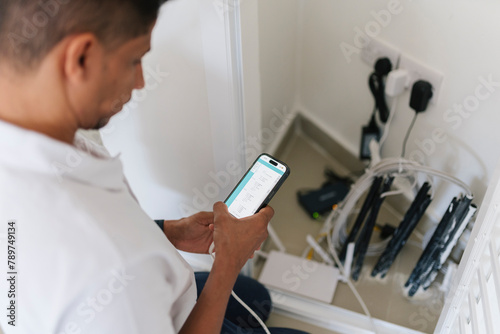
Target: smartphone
257	187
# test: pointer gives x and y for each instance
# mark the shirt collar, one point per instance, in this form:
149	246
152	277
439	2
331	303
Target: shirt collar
85	163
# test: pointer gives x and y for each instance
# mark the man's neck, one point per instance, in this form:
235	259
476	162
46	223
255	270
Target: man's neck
24	106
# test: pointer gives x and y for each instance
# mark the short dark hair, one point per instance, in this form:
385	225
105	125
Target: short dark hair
29	29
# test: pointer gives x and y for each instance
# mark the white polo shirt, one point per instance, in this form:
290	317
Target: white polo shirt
85	257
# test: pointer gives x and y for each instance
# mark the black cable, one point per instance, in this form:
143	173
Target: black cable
367	204
333	177
361	246
377	88
408	134
372	120
376	81
403	231
433	243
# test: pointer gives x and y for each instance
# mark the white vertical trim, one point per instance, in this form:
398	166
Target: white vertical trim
462	323
235	54
221	42
495	268
473	312
485	300
222	48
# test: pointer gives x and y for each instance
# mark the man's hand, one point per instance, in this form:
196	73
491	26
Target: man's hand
236	240
192	234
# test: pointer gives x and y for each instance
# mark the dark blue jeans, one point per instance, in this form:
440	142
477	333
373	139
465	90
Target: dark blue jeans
237	319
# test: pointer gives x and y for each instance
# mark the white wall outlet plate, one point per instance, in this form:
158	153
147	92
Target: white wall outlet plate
376	48
419	71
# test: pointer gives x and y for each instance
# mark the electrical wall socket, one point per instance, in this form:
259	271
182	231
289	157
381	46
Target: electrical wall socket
418	71
376	48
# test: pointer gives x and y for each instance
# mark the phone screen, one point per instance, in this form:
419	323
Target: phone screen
260	180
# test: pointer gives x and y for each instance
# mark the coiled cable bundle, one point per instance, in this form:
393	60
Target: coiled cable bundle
336	223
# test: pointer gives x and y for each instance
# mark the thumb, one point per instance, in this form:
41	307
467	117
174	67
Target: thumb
266	212
220	208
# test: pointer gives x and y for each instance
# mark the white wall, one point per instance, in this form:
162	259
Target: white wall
279	56
458	38
165	134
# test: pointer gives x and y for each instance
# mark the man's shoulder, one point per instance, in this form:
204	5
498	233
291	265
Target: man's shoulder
76	215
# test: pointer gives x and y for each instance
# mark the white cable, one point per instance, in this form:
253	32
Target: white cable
351	286
320	251
242	303
310	240
306	251
262	324
389	121
400	191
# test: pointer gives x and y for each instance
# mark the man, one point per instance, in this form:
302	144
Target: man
84	258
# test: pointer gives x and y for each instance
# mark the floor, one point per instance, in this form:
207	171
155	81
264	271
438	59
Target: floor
385	298
277	320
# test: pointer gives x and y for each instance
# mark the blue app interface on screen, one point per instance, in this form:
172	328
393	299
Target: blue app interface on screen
254	188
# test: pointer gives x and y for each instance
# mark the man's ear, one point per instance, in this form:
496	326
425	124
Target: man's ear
83	54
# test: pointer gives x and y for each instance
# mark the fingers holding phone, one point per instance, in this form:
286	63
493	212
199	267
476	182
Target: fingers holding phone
241	221
237	239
